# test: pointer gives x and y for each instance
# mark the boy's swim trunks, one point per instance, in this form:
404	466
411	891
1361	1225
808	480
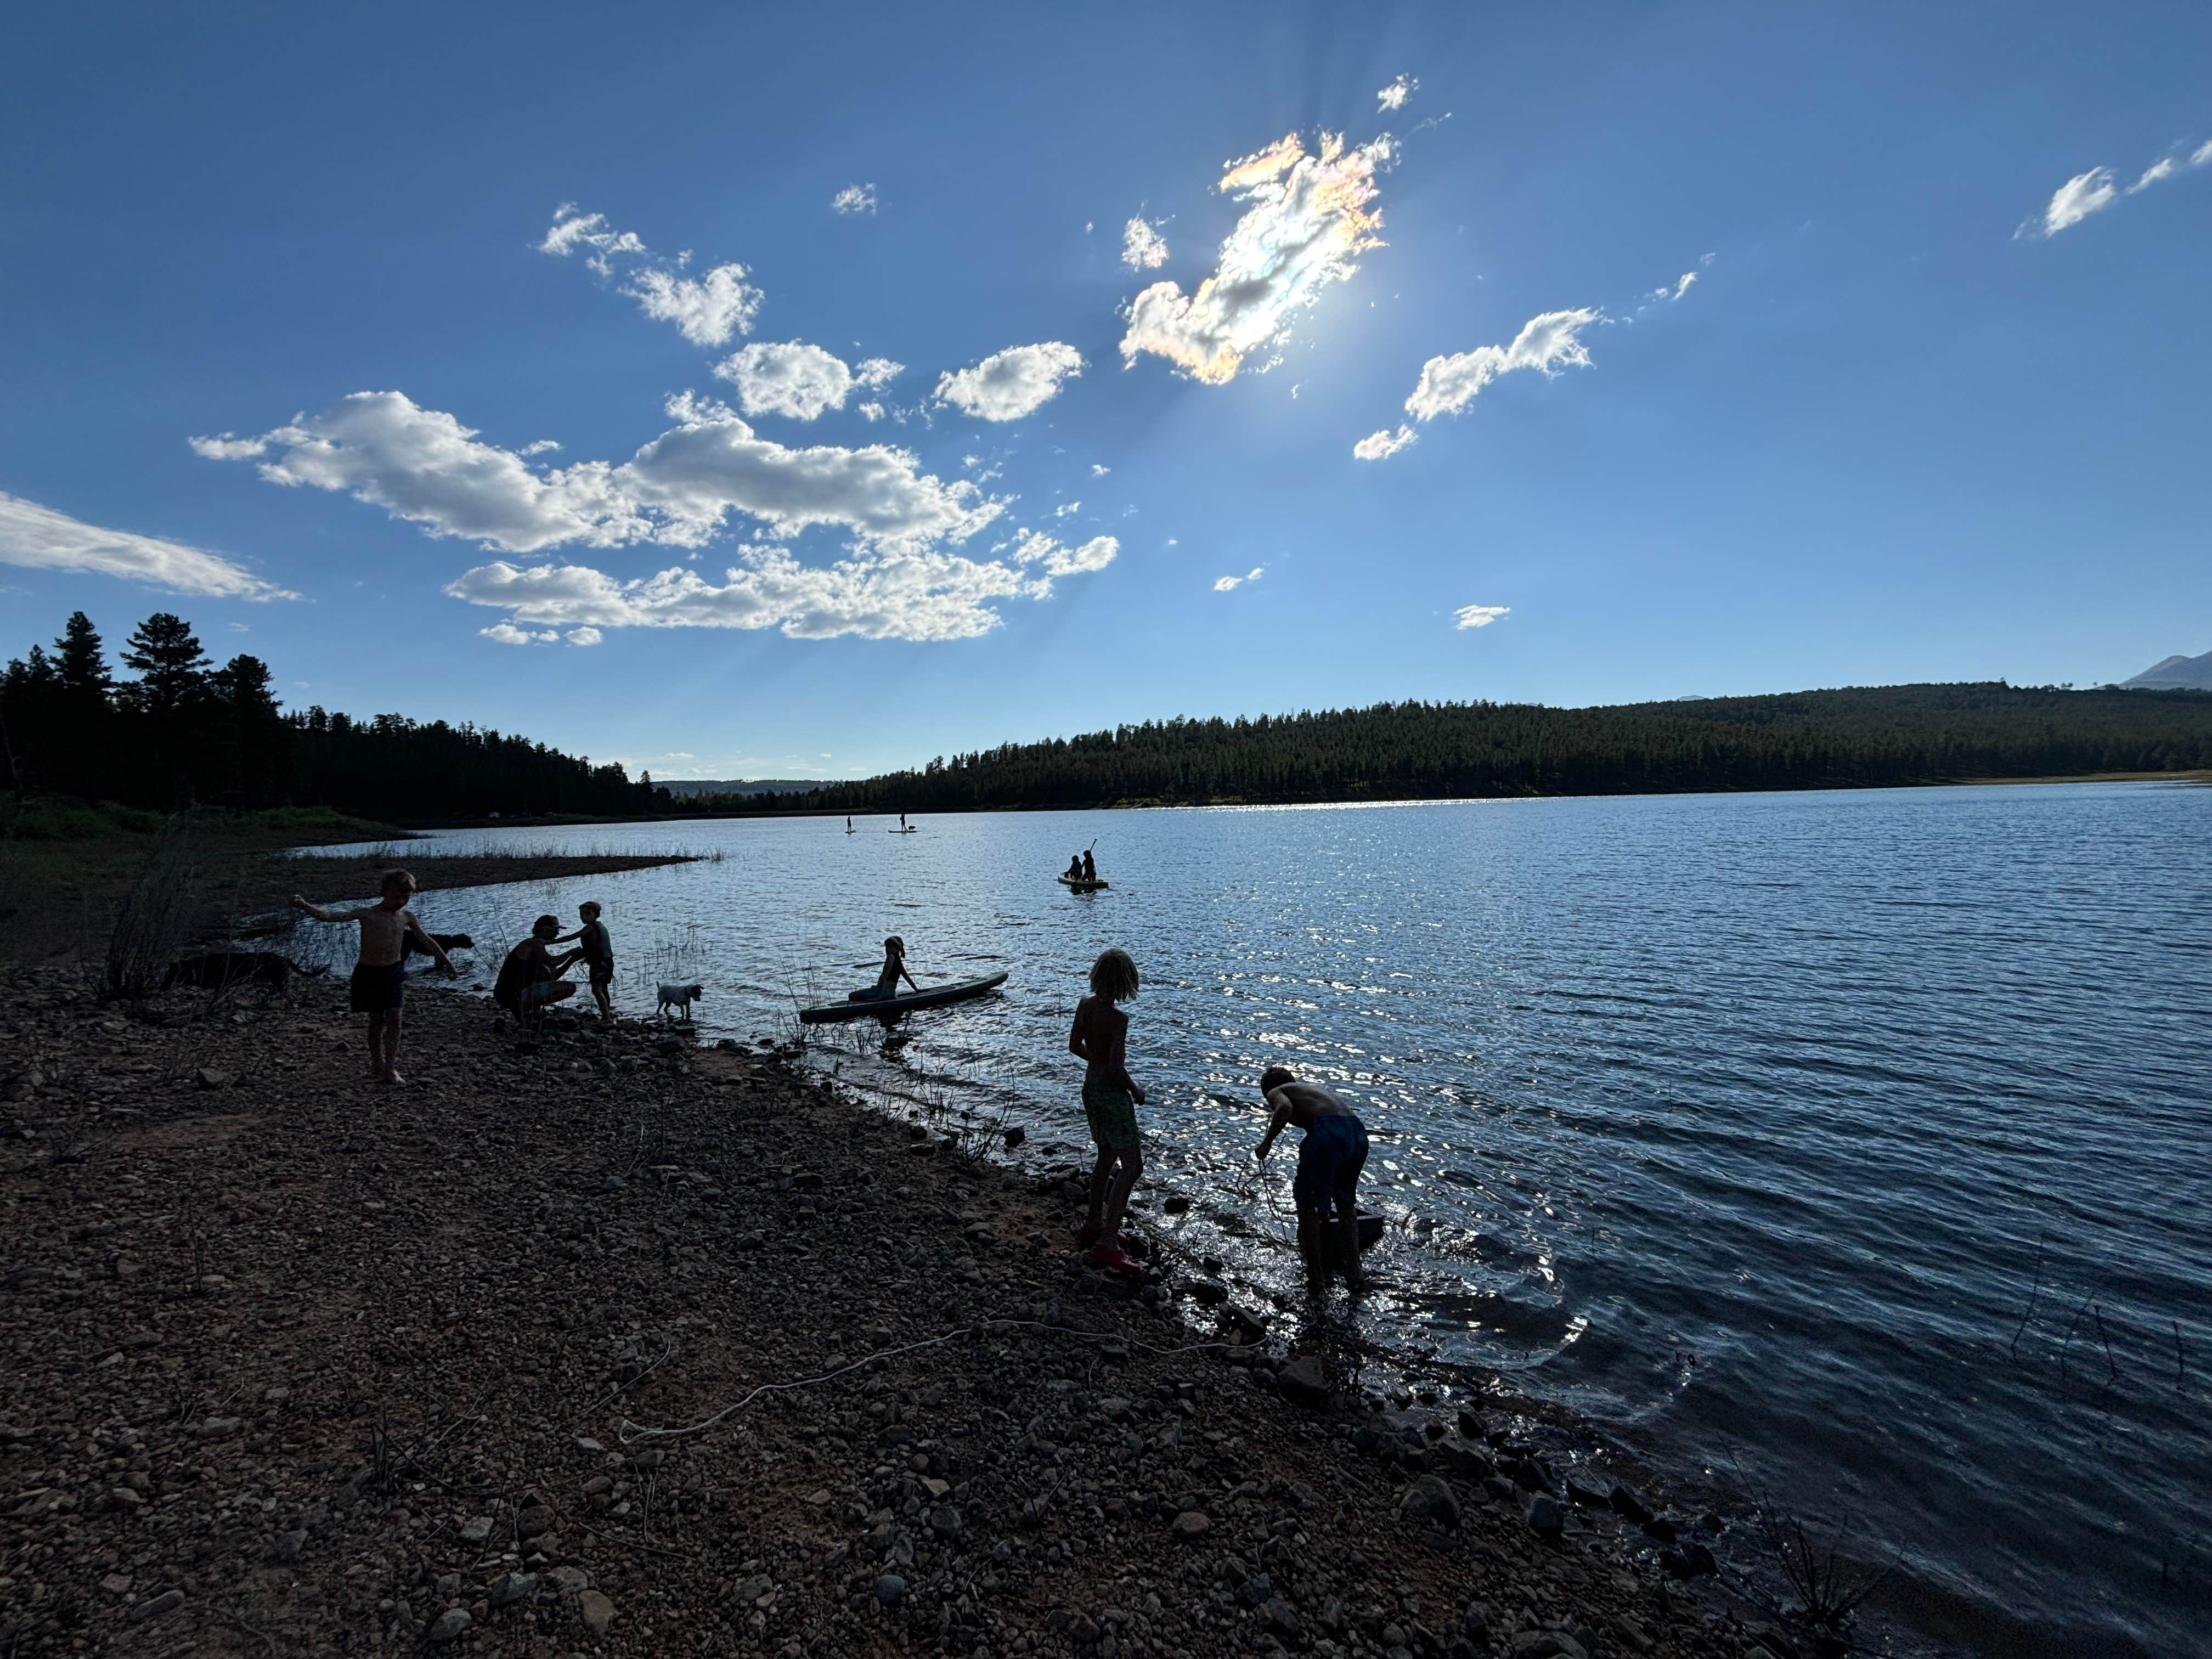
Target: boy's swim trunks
376	988
1112	1114
1329	1163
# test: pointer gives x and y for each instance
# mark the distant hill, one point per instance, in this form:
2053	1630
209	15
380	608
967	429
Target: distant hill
1854	738
684	787
2193	674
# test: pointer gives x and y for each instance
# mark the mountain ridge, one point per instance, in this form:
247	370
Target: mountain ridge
2191	673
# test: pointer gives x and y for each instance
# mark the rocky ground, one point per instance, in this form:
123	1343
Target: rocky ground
297	1364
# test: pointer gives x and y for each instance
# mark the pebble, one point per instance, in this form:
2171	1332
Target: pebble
167	1601
1434	1498
891	1589
1191	1525
476	1529
597	1611
1545	1644
447	1627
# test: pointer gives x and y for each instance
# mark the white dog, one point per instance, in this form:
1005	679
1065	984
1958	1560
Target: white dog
680	998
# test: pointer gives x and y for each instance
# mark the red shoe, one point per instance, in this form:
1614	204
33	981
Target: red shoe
1113	1259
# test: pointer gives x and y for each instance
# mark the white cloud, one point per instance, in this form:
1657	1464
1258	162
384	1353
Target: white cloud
229	448
1310	216
854	198
1099	469
424	465
2165	167
1478	616
571	230
2073	201
584	636
791	378
1035	548
1382	445
39	538
707	310
1010	384
1545	343
1230	584
543	446
508	634
1066	508
2093	192
877	370
1143	247
874	411
923	596
1395	95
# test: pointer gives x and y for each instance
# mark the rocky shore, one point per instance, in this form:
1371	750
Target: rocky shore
296	1364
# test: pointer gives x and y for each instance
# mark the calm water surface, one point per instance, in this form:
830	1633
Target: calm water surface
1746	1125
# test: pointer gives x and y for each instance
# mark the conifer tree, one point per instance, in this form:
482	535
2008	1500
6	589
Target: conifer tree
171	663
80	660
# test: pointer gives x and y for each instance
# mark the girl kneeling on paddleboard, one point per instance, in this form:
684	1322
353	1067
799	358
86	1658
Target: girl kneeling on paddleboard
1100	1037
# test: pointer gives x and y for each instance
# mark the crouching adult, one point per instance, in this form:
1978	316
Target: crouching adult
530	979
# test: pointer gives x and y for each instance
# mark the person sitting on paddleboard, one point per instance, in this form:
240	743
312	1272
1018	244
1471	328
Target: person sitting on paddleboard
1089	866
1329	1163
1075	867
1100	1038
894	969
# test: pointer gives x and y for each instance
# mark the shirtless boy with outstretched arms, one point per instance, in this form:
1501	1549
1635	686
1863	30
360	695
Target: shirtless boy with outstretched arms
379	981
1329	1163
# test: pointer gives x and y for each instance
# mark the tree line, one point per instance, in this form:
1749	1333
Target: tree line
183	731
1856	738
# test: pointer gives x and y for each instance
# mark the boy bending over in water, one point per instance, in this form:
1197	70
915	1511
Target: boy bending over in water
1329	1163
1100	1038
380	977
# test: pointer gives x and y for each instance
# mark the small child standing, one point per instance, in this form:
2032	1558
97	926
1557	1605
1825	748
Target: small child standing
379	988
1100	1038
598	954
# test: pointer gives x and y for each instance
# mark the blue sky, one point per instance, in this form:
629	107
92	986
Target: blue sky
1933	407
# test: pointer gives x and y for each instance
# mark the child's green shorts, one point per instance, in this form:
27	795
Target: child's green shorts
1112	1114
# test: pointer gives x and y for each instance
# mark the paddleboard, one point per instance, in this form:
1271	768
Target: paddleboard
1074	885
911	830
930	996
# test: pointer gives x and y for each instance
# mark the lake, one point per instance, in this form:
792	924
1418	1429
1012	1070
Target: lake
1852	1146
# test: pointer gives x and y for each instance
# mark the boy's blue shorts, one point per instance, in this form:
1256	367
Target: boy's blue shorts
1329	1163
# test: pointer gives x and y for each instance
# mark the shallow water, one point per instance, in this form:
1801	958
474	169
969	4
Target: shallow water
1748	1126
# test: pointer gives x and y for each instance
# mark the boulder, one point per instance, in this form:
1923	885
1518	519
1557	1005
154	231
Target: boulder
1306	1382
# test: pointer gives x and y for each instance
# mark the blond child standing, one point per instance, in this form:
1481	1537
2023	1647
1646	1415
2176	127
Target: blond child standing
379	988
